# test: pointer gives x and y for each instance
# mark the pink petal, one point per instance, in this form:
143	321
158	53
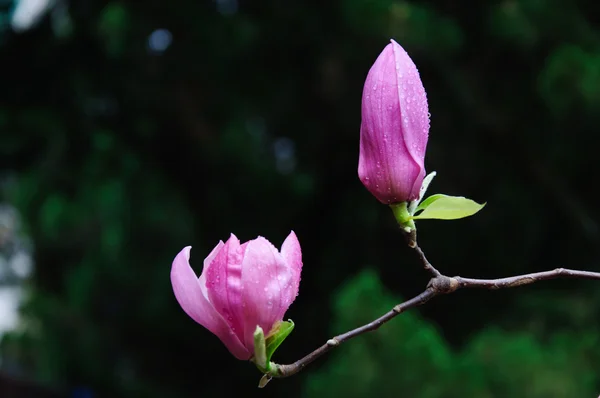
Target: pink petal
264	274
224	284
209	259
292	255
189	293
415	111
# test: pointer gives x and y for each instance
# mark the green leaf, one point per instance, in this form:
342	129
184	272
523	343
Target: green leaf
424	204
444	207
280	331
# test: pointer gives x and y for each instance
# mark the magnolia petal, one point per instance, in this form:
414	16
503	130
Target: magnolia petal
189	294
224	284
207	261
414	111
264	275
292	255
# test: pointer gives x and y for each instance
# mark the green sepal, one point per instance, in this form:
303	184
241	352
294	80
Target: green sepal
260	351
264	380
426	181
444	207
403	217
280	331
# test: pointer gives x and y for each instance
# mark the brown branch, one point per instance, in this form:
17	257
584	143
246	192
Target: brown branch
438	284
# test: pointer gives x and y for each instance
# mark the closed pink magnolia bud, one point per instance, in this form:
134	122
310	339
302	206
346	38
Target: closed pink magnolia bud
241	286
394	128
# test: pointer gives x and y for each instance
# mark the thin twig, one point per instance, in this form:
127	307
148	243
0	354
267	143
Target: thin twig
526	279
426	264
288	370
438	284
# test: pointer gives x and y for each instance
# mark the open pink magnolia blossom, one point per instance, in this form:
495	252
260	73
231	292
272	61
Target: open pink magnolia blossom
241	286
394	128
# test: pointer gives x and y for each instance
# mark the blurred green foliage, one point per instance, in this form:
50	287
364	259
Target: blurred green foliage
118	153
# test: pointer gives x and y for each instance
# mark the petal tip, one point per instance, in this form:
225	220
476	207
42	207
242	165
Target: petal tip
232	237
185	253
181	263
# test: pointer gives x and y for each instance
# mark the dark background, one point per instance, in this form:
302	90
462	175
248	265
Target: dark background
130	129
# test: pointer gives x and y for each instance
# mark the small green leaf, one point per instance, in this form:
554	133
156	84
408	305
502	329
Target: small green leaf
424	204
444	207
280	331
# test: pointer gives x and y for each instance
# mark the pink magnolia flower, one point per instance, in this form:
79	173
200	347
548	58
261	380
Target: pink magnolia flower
241	287
394	128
